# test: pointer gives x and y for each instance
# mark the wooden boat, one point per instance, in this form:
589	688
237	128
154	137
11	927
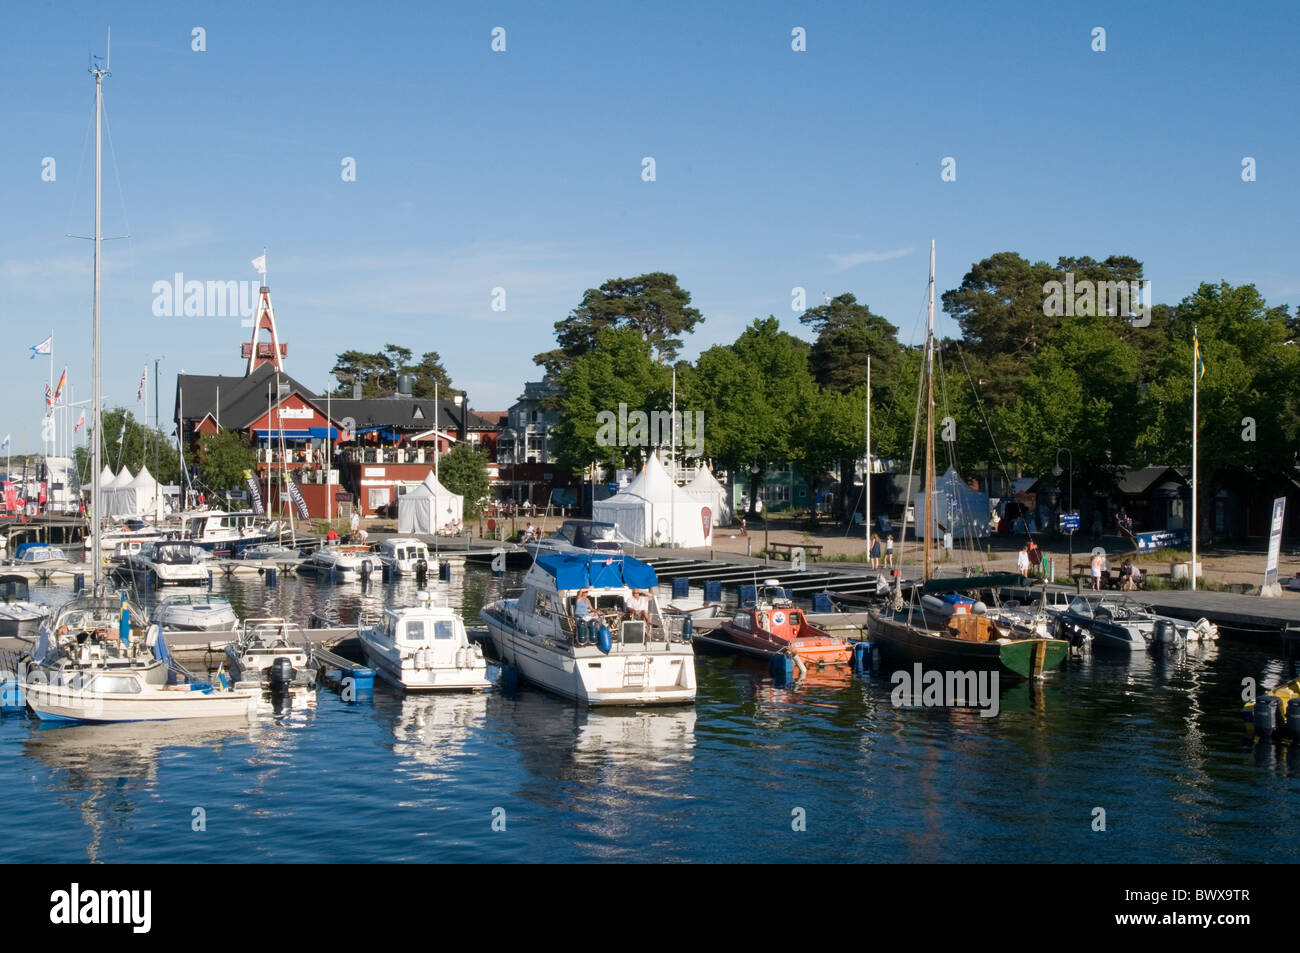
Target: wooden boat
964	641
773	625
943	630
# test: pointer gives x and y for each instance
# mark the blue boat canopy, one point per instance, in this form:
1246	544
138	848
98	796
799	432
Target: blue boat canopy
582	571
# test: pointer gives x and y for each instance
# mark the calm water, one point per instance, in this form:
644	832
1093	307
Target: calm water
1157	745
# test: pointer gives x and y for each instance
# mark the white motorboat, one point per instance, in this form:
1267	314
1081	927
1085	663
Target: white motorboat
93	663
612	657
341	562
19	616
171	561
272	656
1122	625
581	536
110	541
196	612
226	534
270	551
40	557
424	647
404	555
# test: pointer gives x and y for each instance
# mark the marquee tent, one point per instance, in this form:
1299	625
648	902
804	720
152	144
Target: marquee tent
708	491
652	510
429	508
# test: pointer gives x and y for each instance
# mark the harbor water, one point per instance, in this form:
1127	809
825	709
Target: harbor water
1108	760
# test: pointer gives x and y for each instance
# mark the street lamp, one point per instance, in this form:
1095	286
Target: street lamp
1056	471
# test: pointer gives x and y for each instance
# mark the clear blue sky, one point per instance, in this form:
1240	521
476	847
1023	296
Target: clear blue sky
522	169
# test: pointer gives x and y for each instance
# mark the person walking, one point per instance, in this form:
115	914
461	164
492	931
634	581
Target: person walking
889	550
1098	560
875	551
1022	561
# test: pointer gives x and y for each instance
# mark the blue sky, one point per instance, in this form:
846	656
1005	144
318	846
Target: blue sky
522	170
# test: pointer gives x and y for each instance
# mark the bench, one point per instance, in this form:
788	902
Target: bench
812	551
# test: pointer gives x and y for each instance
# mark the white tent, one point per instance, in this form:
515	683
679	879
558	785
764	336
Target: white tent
105	482
428	508
136	498
708	491
958	509
112	492
653	510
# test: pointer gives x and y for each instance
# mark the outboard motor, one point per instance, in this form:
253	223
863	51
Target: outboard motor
1293	718
1266	707
1165	637
421	572
280	675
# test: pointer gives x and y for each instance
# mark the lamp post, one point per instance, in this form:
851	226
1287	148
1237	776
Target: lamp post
1056	471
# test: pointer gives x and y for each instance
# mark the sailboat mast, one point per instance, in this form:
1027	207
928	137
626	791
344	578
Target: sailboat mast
929	421
96	442
866	480
1196	374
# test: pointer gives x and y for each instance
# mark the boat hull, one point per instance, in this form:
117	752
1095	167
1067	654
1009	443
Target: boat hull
51	703
433	678
814	649
900	642
586	675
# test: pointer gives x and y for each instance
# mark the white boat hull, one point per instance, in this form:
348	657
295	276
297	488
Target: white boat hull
54	703
431	673
658	676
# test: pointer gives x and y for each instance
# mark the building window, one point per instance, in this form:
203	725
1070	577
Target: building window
774	493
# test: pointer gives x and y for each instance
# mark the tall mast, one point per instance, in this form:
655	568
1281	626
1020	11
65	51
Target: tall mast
929	420
866	480
1196	374
96	441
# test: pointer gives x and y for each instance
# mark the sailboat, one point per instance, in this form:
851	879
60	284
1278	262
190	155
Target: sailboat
944	629
93	661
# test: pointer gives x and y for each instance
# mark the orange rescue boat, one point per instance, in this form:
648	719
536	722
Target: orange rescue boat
774	626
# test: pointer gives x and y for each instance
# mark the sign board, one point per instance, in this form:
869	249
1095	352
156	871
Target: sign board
296	413
372	471
342	497
1150	542
1274	541
1070	522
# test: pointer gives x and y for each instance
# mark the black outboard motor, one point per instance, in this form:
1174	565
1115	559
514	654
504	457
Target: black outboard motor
1293	718
281	675
1266	715
1165	637
421	572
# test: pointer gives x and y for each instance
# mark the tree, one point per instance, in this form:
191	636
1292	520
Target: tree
222	460
847	334
464	471
653	305
128	443
616	378
378	373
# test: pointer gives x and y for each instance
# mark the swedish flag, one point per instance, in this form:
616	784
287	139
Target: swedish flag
1196	350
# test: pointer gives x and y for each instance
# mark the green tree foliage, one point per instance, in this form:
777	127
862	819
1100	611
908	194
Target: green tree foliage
653	305
138	446
619	370
222	459
378	373
464	471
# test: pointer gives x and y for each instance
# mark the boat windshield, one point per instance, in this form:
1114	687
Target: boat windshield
14	589
178	554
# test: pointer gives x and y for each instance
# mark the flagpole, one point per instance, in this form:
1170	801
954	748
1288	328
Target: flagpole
1196	361
866	480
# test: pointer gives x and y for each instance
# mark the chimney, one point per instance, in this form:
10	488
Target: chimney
404	385
356	390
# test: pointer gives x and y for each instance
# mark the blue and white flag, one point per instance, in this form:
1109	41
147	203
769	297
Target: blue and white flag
5	444
45	347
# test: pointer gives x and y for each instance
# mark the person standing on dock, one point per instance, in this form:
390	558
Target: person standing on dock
889	550
1098	560
875	551
1022	561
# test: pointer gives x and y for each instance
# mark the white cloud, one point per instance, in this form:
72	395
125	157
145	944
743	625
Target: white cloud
853	259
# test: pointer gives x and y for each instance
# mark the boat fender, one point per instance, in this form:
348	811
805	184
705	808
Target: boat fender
580	632
604	641
460	657
798	663
688	629
979	608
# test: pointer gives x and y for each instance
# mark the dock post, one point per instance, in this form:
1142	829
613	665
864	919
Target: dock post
209	579
79	581
270	577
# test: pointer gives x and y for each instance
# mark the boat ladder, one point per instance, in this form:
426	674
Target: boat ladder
635	671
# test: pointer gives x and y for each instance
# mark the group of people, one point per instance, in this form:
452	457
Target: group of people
1029	561
881	550
638	606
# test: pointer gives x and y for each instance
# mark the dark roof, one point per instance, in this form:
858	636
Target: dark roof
243	399
406	413
1138	482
